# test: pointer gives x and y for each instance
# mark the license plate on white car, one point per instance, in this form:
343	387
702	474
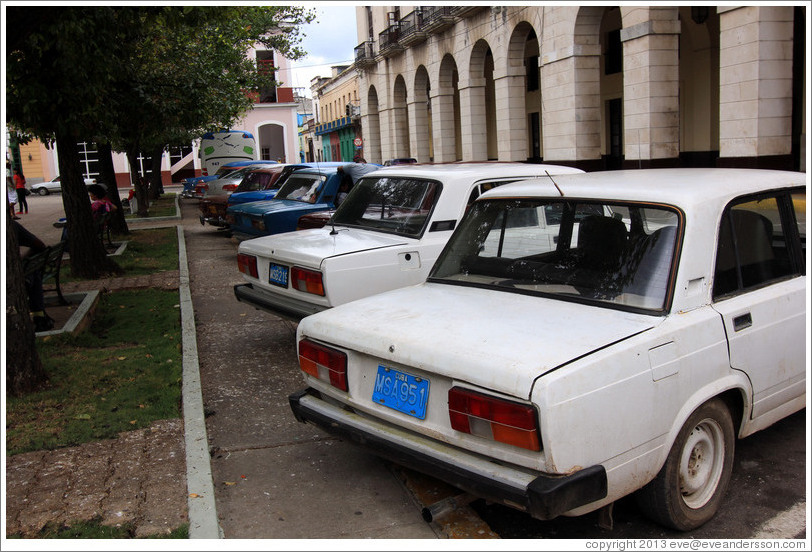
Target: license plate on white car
278	275
401	391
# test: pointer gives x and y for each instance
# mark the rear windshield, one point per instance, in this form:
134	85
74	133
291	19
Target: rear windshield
301	187
614	254
255	181
395	205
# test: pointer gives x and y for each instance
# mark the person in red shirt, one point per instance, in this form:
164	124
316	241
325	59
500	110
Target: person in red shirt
19	184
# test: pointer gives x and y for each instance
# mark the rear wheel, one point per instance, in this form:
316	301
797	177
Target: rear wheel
42	191
689	488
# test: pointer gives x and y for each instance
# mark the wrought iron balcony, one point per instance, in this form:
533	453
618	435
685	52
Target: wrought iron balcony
437	18
466	11
388	40
411	28
365	54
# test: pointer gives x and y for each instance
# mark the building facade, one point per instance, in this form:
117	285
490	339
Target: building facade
338	114
594	87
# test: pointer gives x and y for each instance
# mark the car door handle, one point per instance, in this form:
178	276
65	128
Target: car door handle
742	322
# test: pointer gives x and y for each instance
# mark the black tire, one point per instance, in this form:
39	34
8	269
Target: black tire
690	486
42	191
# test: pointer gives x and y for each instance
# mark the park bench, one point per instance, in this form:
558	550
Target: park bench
49	262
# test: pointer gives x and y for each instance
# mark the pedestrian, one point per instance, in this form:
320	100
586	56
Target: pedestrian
12	199
357	168
33	281
22	191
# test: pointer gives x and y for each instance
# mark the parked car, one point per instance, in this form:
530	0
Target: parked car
228	182
190	184
386	234
54	186
305	191
399	161
558	379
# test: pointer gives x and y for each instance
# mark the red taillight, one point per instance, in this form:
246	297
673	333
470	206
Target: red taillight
229	187
324	363
308	281
493	418
247	264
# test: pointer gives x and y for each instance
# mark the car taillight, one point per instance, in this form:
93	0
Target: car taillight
306	280
247	264
493	418
229	187
204	172
259	224
324	363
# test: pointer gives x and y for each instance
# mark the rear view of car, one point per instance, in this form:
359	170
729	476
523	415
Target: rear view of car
580	339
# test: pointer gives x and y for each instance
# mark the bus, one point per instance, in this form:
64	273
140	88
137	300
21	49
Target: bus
225	146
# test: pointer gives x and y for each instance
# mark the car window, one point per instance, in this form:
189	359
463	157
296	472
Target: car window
584	251
254	181
389	204
483	187
757	237
301	187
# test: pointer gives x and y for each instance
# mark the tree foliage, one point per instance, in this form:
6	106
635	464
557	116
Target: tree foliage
139	78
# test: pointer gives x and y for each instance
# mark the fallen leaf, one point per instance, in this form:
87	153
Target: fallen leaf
82	417
242	476
122	358
229	482
141	406
194	495
133	422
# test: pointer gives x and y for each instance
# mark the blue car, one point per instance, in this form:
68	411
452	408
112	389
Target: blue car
307	190
256	189
189	184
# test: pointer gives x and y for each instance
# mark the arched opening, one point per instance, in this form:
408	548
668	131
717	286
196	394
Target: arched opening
371	150
421	143
400	119
272	142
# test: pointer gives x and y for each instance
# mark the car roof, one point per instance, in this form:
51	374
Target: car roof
470	172
247	162
678	187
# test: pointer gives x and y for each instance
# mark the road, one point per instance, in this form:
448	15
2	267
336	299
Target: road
277	478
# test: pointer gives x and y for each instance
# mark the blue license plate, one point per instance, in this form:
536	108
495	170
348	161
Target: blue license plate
278	275
401	391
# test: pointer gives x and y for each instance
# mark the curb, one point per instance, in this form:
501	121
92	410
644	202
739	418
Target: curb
203	522
87	301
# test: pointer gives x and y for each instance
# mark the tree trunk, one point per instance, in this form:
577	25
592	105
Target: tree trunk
156	185
88	256
140	184
24	371
107	174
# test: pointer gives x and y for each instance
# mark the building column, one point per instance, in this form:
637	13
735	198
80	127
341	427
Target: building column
755	76
443	129
651	91
419	131
473	123
511	119
571	111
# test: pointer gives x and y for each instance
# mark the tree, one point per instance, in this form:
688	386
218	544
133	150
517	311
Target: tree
24	370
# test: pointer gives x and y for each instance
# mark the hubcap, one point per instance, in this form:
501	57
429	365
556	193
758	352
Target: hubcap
701	463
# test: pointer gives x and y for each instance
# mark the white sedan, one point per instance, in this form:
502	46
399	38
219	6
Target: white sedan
54	186
557	376
385	235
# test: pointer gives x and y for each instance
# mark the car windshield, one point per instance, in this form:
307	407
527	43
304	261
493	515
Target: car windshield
301	187
613	254
398	205
255	181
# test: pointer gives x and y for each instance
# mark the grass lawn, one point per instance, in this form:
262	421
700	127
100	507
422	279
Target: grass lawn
95	530
164	206
121	374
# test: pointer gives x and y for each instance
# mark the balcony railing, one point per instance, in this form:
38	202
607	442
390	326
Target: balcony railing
466	11
437	18
388	40
411	28
365	54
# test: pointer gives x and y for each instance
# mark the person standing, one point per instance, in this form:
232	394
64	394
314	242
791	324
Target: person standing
19	184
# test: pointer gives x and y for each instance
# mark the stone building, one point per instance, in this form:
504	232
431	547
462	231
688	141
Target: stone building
594	87
337	124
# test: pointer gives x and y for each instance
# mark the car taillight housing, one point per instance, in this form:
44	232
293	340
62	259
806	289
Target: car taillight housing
229	187
247	264
494	418
309	281
324	363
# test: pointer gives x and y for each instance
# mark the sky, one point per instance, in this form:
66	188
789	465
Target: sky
330	40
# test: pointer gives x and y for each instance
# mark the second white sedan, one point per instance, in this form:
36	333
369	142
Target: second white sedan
385	235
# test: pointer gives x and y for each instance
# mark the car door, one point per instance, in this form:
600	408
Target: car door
760	292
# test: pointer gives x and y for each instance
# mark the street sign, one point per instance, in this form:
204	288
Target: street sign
357	142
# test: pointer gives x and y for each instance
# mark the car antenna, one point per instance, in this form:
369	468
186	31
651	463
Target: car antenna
554	184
